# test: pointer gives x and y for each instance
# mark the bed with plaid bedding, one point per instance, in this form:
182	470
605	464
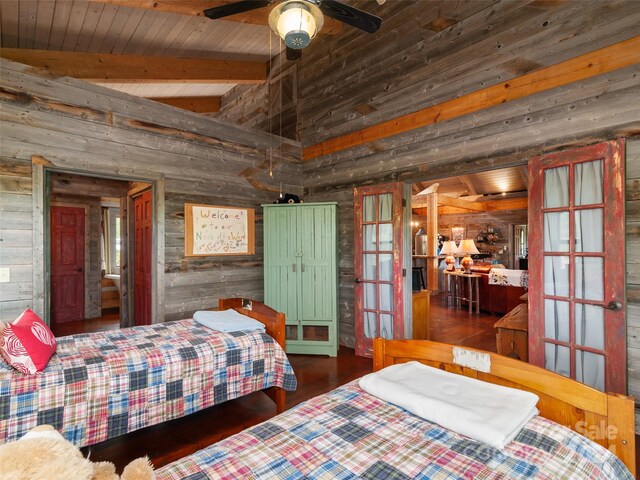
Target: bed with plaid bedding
349	434
101	385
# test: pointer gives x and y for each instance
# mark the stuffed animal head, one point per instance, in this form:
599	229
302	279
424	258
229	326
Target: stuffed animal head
43	453
288	198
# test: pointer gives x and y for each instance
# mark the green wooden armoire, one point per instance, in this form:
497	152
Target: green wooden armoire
301	273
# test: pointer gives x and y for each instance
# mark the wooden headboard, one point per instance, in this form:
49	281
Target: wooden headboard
607	419
273	321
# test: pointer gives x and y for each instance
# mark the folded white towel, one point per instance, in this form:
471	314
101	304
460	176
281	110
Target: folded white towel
227	321
486	412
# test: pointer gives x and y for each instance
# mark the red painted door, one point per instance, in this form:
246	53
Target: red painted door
67	264
577	265
142	235
378	265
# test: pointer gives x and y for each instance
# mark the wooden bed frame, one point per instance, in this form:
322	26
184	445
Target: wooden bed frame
607	419
274	323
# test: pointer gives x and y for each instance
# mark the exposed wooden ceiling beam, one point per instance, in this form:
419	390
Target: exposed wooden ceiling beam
466	180
492	206
471	198
194	104
422	200
259	16
433	188
508	204
524	175
456	202
619	55
105	68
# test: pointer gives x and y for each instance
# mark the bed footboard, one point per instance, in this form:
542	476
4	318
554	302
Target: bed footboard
274	323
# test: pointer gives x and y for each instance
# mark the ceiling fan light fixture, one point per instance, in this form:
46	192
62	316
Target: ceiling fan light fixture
296	22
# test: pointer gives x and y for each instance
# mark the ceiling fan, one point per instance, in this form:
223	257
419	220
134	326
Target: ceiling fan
298	21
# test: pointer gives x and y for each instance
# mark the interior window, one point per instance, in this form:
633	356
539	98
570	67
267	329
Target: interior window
521	248
111	239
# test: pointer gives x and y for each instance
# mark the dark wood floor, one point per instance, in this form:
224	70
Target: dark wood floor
458	327
110	320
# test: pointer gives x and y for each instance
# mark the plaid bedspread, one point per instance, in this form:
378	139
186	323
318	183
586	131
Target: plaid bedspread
348	434
105	384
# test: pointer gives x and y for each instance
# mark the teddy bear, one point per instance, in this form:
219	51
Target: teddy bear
44	454
288	198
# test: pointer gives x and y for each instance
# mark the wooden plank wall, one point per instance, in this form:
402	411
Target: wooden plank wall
477	222
270	107
79	127
426	53
16	224
632	223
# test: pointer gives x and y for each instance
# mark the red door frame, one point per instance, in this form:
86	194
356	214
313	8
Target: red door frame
61	269
142	255
612	154
364	345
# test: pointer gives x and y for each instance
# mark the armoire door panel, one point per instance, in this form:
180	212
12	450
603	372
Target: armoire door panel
301	273
278	291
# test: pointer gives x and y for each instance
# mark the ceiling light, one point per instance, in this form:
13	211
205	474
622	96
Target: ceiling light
296	22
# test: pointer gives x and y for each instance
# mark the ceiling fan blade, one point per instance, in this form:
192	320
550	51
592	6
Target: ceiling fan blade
350	15
236	7
294	53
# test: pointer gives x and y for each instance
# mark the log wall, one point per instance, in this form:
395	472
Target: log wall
501	221
16	225
71	125
632	223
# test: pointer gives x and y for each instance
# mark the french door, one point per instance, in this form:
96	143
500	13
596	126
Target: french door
378	265
576	265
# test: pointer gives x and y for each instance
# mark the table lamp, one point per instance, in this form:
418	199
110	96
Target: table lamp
449	248
467	248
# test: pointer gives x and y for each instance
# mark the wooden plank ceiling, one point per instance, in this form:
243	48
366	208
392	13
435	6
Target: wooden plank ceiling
506	188
138	36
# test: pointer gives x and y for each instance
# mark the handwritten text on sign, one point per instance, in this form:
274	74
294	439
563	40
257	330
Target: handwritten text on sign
218	230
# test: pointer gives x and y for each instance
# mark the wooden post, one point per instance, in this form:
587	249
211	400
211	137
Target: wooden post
432	242
39	222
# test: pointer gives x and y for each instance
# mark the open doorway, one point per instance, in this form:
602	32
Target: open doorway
488	211
90	238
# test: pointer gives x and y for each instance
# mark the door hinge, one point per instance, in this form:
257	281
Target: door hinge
404	272
404	202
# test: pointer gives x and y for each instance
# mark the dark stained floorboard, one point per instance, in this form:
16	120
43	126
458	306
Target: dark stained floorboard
458	327
110	320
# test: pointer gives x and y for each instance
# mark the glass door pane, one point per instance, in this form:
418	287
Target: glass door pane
377	237
578	248
377	264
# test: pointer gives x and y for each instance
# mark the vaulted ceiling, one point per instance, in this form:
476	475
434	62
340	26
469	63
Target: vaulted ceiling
163	49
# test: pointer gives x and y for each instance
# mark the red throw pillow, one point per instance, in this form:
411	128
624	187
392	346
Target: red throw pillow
27	343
